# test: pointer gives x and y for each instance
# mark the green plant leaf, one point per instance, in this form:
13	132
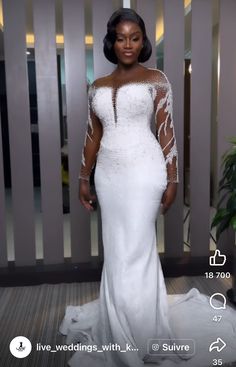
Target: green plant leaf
222	181
233	181
232	140
219	217
222	226
231	203
233	222
225	217
225	186
226	175
229	160
229	175
223	197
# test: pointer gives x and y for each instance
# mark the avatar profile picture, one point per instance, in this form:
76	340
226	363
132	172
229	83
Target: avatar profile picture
20	347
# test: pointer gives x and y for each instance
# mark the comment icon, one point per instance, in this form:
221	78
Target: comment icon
217	305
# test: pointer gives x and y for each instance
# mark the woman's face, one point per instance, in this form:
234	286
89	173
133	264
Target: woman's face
129	41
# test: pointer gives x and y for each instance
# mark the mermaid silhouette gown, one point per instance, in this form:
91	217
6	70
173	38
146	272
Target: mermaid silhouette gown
132	171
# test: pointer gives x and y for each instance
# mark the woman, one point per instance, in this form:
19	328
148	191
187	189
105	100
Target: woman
135	173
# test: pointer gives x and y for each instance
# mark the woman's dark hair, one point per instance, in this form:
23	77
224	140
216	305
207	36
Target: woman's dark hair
118	16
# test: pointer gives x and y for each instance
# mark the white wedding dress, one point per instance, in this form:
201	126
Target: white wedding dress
132	171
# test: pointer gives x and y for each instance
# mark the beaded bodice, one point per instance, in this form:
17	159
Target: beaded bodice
120	115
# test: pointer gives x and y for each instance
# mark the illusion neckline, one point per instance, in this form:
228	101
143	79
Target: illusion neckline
122	85
132	82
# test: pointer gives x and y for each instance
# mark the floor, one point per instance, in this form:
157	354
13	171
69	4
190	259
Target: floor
37	311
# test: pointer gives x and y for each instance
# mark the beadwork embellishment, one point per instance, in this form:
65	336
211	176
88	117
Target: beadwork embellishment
136	98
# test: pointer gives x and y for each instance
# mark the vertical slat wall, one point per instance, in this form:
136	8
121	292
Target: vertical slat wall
227	93
49	130
101	12
200	124
75	71
148	13
19	131
3	237
174	69
76	102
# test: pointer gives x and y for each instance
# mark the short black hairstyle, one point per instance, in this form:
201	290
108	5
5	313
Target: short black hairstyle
118	16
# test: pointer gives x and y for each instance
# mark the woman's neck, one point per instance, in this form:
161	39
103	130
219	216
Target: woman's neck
123	69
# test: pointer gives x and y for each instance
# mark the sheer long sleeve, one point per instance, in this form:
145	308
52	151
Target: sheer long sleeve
165	127
92	140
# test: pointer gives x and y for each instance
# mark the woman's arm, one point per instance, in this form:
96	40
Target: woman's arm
166	137
92	140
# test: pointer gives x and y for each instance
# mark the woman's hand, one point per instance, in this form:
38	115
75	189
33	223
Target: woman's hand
168	196
85	196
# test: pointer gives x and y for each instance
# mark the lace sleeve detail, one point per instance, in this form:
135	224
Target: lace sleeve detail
92	139
165	126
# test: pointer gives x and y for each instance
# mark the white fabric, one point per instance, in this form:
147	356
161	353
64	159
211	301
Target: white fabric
113	105
133	305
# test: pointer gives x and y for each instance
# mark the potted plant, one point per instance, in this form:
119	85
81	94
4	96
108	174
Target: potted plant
225	216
